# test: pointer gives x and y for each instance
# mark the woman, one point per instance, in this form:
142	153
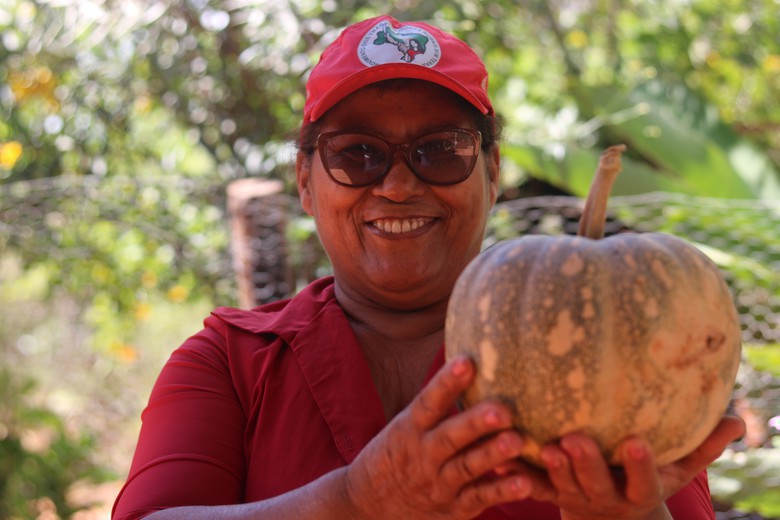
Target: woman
335	404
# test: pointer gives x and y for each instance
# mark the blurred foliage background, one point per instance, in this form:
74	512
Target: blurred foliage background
123	121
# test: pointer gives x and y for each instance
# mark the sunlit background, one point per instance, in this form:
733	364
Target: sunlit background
124	122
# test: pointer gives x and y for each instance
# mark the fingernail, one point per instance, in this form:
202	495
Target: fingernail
460	366
637	451
520	487
492	418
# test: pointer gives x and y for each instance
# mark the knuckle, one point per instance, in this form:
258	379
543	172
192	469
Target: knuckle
395	451
446	442
458	472
471	498
474	498
439	498
425	406
600	496
424	410
465	468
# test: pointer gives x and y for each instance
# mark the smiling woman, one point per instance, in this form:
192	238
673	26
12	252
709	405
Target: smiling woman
337	403
359	224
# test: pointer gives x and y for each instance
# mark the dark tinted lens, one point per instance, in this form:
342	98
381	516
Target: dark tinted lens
354	159
444	157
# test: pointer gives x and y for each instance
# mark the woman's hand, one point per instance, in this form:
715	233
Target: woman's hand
581	483
429	464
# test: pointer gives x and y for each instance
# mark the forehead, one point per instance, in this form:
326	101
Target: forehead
400	106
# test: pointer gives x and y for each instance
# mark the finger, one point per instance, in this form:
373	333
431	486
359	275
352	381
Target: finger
459	431
474	463
643	483
437	398
559	471
590	468
728	430
475	498
542	489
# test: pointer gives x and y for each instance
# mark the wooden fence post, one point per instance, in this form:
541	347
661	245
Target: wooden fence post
258	216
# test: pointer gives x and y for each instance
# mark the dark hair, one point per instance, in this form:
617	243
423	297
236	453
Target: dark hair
489	126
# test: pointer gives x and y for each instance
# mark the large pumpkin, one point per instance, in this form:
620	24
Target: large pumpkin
636	333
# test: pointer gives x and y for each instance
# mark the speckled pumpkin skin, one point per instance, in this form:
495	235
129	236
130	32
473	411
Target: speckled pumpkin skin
631	334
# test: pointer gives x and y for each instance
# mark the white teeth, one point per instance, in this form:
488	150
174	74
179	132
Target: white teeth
397	226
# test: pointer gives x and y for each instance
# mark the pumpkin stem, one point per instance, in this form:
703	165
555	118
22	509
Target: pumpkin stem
594	215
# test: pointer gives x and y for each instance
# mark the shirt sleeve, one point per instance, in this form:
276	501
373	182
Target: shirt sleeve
190	448
693	502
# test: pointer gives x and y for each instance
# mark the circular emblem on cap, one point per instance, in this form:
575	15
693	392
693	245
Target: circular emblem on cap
384	43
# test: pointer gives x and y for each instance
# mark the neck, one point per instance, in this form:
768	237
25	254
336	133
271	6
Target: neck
395	324
399	345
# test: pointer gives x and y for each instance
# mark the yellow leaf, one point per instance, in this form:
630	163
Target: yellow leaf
10	152
577	39
771	63
125	352
101	273
178	293
35	82
149	279
143	104
142	311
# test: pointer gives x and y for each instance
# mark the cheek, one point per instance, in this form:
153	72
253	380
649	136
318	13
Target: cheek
316	197
332	206
475	209
466	227
480	195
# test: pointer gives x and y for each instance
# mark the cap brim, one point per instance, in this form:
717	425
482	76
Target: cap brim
384	72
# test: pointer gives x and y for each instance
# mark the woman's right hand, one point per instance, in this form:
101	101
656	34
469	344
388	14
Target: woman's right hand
429	464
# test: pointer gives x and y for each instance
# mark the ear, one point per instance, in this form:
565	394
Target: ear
494	166
302	179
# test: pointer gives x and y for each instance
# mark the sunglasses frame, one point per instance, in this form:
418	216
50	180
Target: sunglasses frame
393	148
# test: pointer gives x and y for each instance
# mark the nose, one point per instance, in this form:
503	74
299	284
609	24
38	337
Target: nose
400	183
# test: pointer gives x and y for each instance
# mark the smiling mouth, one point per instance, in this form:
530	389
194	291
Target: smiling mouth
398	226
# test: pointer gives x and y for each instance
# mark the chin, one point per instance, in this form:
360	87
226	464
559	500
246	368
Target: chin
414	292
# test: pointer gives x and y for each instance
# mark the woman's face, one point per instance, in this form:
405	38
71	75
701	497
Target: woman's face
400	243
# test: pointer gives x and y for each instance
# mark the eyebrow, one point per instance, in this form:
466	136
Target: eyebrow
371	130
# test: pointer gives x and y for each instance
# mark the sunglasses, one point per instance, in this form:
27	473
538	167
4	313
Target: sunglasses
441	158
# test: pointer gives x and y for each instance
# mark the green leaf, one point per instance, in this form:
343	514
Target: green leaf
684	139
748	479
765	358
574	172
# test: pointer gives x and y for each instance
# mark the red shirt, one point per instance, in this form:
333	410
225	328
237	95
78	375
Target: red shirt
264	401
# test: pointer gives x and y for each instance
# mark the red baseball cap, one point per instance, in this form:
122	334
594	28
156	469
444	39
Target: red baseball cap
383	48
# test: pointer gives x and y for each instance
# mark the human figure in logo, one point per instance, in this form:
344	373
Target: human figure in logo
337	404
409	47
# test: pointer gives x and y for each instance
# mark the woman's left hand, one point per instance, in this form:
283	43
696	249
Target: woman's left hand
581	483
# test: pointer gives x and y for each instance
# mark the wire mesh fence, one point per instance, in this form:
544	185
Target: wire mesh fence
53	218
741	236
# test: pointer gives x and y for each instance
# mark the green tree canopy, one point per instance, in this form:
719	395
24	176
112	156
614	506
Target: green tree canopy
216	88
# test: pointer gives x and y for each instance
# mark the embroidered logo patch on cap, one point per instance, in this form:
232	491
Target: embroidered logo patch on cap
406	44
